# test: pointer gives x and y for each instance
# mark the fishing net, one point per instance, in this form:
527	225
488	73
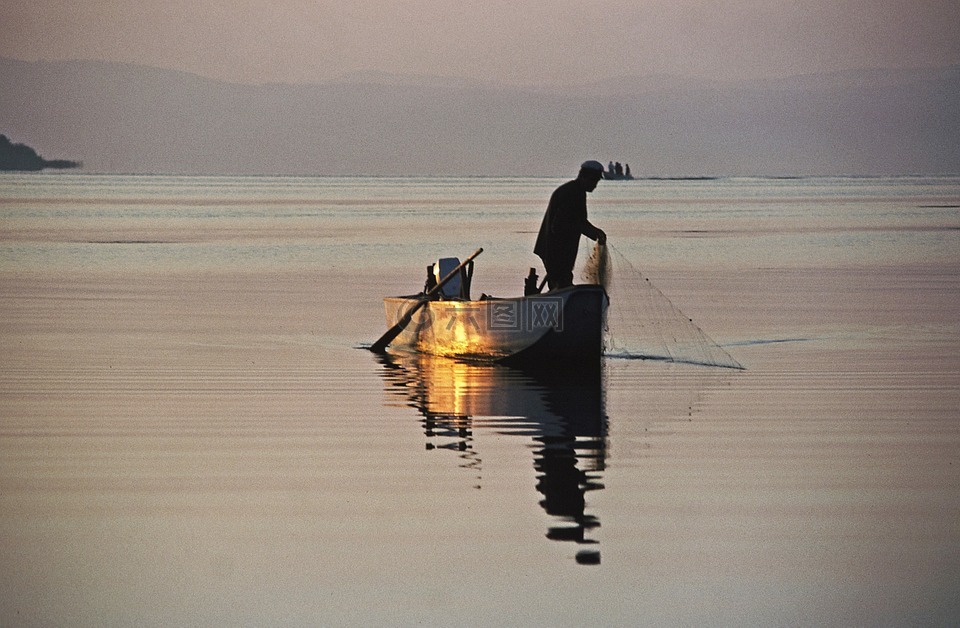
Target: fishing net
642	322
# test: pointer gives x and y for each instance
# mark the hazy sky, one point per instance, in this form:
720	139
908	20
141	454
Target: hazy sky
521	41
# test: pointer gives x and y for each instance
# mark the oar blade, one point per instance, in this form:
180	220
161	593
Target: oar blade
390	335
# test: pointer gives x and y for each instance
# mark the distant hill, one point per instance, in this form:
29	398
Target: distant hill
126	118
22	157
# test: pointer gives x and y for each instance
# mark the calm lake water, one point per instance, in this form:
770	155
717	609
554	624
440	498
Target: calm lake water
192	434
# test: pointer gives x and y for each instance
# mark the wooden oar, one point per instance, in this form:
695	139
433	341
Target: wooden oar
380	345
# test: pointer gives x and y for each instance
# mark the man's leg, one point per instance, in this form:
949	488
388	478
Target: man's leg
559	278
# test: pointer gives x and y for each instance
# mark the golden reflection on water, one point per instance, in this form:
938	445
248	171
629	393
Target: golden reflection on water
561	412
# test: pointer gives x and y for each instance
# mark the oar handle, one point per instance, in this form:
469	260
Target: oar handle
452	274
394	331
440	284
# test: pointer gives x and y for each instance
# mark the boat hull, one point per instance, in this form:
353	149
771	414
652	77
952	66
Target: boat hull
565	324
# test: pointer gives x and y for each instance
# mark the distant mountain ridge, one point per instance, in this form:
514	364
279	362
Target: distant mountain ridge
128	118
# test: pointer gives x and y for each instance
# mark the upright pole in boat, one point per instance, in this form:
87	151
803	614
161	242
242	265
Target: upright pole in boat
380	345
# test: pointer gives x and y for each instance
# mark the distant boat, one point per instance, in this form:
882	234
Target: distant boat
540	330
618	172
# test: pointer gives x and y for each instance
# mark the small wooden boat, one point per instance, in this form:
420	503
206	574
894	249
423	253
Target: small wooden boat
561	327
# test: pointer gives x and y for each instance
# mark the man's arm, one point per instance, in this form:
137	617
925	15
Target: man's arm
594	233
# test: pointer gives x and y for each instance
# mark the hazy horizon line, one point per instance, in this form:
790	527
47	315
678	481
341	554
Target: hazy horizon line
382	77
648	178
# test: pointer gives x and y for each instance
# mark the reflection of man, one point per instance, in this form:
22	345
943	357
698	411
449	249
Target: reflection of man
564	222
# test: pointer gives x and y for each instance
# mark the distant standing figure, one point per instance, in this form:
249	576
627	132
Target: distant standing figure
626	170
563	224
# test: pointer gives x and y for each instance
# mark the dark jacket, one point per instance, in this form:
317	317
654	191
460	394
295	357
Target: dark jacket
564	222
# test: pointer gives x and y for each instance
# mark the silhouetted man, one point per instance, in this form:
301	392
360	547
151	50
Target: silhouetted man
563	224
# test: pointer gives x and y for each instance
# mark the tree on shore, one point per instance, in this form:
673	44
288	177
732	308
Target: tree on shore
22	157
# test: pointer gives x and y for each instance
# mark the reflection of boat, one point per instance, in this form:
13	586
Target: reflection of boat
560	411
565	324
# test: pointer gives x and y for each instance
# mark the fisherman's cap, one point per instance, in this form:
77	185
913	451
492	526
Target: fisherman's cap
593	165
